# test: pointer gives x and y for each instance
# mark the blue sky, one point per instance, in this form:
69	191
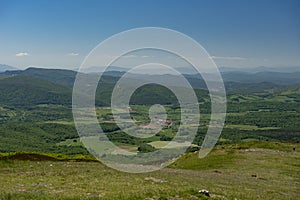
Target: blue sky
236	33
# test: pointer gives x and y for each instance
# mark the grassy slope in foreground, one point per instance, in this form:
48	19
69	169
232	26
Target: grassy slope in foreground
245	171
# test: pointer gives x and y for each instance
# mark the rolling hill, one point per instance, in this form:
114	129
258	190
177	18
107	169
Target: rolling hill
279	78
4	68
54	86
23	91
59	76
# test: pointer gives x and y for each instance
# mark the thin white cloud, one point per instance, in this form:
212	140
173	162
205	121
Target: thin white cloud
136	56
227	58
21	54
124	56
73	54
129	56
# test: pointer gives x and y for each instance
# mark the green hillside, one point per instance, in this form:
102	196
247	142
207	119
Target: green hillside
43	86
59	76
23	91
247	171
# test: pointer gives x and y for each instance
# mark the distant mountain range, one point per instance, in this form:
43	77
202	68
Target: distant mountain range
183	70
4	68
279	78
190	70
261	69
36	86
66	77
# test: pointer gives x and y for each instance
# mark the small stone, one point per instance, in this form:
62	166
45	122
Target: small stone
94	195
155	180
205	192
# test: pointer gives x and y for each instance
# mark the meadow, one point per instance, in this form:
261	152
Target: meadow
254	170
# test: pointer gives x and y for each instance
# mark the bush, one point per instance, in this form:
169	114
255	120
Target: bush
144	148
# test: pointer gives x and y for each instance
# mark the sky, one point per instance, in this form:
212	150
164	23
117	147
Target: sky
235	33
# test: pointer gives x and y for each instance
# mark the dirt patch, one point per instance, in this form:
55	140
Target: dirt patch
29	156
125	147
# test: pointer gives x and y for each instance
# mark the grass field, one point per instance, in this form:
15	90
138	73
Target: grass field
253	170
249	127
172	144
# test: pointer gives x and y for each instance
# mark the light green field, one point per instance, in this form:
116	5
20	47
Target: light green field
249	127
97	145
244	171
236	114
280	98
94	143
224	139
7	112
70	142
244	98
171	144
61	122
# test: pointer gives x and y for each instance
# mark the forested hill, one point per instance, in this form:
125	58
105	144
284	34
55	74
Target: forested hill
54	86
24	90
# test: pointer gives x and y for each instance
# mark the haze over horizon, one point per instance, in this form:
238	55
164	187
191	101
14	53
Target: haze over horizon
59	34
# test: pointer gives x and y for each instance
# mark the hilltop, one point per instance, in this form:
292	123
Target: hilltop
246	171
